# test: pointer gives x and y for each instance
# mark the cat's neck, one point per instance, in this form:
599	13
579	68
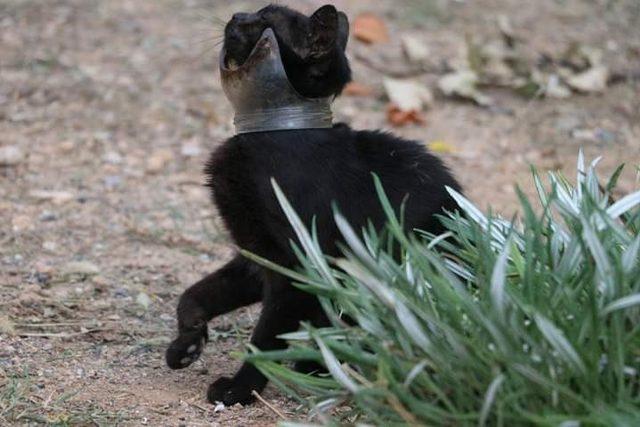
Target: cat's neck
307	115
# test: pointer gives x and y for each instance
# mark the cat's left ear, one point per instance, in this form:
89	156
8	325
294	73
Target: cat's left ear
328	28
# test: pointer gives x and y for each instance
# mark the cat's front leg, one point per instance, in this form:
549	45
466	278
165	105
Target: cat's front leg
281	313
235	285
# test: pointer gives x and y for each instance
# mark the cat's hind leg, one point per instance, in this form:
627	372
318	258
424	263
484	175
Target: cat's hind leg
282	312
237	284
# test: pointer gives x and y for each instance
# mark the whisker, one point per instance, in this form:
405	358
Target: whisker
212	19
217	40
202	55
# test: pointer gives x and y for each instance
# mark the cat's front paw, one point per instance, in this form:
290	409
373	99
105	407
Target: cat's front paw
185	349
229	392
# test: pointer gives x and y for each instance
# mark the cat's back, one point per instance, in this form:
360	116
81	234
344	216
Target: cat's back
318	167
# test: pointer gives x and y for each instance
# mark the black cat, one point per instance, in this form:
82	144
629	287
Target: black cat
314	168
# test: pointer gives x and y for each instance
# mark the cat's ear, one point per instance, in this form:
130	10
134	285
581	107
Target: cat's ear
325	29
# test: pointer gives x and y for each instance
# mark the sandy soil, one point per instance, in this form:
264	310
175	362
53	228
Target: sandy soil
113	107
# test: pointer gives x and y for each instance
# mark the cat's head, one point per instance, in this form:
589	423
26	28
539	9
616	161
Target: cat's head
312	48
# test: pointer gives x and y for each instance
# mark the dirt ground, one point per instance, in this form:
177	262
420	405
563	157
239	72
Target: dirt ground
113	107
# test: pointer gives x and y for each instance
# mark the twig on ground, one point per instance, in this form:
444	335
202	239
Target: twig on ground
56	325
58	335
268	405
196	405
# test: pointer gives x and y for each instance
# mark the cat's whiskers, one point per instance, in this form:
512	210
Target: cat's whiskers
214	39
212	19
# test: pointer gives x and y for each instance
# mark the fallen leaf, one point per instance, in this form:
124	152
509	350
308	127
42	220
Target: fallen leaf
594	135
506	29
369	28
442	147
81	267
463	84
398	117
592	80
499	63
408	95
581	57
555	89
158	160
57	197
357	89
143	300
6	325
415	49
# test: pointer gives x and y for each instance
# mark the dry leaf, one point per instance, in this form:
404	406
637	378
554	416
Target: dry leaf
57	197
463	84
398	117
442	147
408	95
85	268
580	57
592	80
506	30
143	300
357	89
6	325
369	28
415	48
555	89
158	160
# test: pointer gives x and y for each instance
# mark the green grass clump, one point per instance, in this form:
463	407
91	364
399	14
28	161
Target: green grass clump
528	322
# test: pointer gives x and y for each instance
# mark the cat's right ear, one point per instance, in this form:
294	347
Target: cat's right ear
329	28
324	30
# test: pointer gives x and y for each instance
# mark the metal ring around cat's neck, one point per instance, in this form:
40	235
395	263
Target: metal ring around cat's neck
262	96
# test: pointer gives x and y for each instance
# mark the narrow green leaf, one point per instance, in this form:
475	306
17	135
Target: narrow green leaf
557	339
622	304
624	205
489	398
498	280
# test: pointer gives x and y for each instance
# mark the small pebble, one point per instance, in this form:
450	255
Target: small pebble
112	181
190	149
112	157
49	246
11	155
47	216
121	293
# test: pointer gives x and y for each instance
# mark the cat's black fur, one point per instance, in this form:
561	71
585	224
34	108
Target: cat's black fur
314	167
